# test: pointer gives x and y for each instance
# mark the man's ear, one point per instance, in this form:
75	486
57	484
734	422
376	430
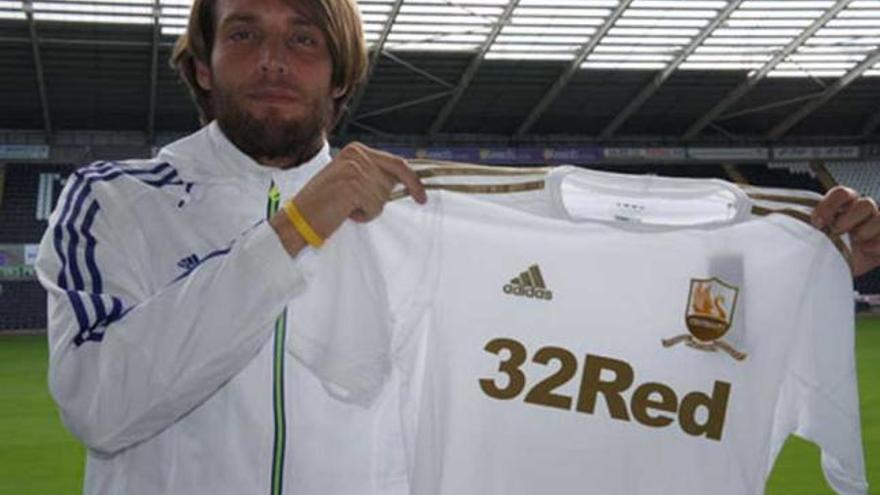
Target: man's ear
203	75
337	92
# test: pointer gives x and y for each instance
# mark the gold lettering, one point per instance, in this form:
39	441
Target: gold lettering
542	393
592	385
642	402
716	407
652	404
516	380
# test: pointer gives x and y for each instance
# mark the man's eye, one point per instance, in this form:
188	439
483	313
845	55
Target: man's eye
303	39
241	35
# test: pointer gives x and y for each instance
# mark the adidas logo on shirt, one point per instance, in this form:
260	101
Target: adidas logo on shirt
189	262
529	283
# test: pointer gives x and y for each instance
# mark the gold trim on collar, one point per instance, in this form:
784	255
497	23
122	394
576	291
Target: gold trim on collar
781	198
478	188
472	168
488	172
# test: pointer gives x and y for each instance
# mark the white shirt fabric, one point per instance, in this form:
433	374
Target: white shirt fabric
164	287
619	255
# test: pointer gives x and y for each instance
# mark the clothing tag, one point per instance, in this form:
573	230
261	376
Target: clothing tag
630	211
650	210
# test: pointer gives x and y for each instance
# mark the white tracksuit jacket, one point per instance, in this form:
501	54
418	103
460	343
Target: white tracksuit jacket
165	289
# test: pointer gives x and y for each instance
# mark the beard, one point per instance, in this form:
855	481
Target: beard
272	137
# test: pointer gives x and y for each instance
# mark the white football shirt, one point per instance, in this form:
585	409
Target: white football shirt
603	334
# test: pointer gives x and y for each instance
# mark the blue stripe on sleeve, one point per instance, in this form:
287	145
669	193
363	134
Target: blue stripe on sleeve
97	282
165	181
82	318
70	273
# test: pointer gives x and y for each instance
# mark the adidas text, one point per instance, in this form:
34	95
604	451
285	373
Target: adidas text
533	292
529	283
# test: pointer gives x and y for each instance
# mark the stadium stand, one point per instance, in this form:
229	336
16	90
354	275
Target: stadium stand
791	178
22	305
18	222
868	284
863	177
23	302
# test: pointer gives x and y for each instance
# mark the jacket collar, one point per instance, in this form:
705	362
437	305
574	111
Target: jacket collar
208	156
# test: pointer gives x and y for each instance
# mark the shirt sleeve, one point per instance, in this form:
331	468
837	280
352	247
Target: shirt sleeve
819	399
371	283
126	362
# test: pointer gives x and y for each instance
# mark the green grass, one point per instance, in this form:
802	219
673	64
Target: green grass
797	468
38	456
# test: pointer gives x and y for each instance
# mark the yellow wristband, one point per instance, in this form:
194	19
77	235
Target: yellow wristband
301	225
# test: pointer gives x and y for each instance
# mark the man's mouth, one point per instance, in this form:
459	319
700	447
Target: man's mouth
274	95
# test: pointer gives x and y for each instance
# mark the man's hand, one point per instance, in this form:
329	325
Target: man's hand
844	211
356	184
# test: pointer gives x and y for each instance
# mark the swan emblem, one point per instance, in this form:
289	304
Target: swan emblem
709	316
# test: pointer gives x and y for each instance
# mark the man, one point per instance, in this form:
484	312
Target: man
167	292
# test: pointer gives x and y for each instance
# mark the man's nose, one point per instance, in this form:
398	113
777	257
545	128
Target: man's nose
274	56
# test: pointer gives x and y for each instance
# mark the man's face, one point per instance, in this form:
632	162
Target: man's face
270	79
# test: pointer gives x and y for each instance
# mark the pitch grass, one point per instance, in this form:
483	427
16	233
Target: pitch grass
39	457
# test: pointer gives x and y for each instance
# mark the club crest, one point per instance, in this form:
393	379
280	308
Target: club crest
709	315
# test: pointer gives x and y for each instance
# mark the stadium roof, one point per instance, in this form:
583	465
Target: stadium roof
508	69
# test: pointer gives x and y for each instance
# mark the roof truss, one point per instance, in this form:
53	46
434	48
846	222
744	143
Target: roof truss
569	72
472	69
38	68
754	78
800	114
645	94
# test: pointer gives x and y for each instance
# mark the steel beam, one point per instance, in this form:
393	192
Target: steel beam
154	73
405	104
472	69
725	132
761	73
648	91
422	72
554	91
38	67
768	106
371	129
374	59
800	114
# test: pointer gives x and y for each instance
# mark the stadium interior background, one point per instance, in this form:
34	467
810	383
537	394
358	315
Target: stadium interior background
781	93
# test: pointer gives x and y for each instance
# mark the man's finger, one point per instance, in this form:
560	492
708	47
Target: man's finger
854	215
382	181
833	202
359	216
376	158
369	173
868	231
369	199
394	166
401	171
871	248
